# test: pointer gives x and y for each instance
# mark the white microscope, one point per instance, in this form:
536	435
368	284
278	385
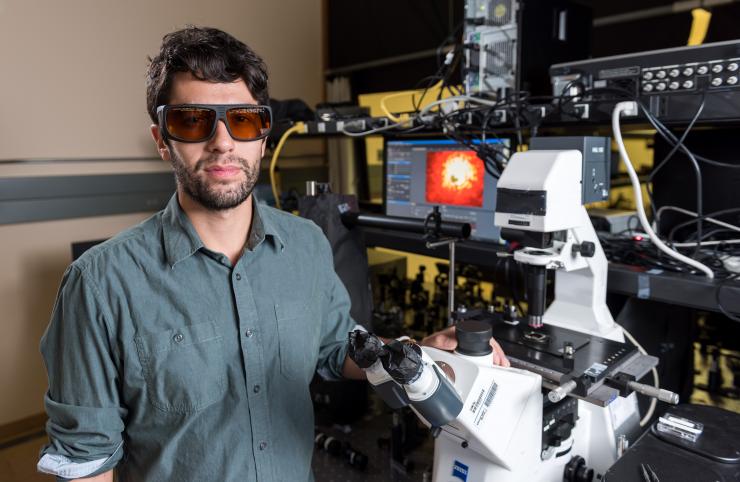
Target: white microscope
567	406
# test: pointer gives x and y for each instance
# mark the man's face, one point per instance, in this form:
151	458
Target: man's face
219	173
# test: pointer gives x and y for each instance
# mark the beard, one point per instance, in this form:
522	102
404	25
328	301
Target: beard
215	195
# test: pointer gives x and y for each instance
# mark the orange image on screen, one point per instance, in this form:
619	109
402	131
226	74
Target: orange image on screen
455	177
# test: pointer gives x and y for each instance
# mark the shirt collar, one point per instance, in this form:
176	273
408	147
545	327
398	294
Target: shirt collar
182	241
263	217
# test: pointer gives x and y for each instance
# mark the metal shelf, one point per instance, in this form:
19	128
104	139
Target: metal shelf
665	287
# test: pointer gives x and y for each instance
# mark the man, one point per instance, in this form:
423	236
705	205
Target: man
182	349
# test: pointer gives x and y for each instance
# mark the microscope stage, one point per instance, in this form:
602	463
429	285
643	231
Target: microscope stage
541	351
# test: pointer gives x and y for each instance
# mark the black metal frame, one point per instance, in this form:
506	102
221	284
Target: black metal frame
689	291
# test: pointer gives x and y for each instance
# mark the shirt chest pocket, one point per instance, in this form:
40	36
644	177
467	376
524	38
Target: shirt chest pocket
295	339
184	367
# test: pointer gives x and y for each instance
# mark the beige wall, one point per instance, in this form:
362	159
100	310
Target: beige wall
34	256
61	63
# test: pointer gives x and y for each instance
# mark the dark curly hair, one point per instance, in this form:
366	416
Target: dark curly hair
209	54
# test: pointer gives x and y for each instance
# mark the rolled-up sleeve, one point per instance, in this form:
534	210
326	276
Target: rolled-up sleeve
337	322
85	423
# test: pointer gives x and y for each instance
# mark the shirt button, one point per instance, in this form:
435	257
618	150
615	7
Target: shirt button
249	333
178	338
256	389
238	277
263	445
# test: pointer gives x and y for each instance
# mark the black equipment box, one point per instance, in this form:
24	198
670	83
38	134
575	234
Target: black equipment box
511	43
670	82
713	457
596	152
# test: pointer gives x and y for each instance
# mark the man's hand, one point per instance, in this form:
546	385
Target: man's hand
445	340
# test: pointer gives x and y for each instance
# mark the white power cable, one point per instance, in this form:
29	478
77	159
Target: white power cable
706	243
631	107
653	401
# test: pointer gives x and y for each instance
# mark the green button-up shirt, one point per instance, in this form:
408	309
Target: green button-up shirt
172	365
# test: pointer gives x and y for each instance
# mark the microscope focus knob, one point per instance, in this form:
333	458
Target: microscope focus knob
586	248
473	338
577	471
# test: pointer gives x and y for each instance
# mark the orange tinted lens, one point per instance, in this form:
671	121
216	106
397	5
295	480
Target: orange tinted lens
190	123
249	122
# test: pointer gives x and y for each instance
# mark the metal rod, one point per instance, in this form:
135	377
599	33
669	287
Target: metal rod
311	188
437	244
651	391
451	283
562	391
446	228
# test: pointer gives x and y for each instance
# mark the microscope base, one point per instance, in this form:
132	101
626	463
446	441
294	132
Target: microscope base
594	438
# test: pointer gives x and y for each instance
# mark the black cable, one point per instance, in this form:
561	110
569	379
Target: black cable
643	256
714	214
513	106
492	170
680	141
718	163
451	38
699	195
669	156
667	134
564	90
641	253
430	83
489	154
671	139
441	67
457	55
714	232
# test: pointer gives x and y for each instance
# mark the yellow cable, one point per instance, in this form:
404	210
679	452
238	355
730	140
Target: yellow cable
396	118
298	127
699	26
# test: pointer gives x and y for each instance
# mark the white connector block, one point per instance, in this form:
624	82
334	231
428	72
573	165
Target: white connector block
630	109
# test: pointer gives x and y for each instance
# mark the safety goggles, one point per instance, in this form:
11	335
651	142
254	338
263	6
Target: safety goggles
197	122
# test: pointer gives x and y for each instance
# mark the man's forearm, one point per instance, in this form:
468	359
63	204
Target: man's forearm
351	371
104	477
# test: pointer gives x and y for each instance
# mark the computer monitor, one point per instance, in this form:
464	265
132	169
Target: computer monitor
423	173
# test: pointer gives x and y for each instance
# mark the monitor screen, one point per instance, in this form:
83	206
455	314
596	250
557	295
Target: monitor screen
423	173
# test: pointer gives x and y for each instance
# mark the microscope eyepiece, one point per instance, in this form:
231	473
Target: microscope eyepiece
364	348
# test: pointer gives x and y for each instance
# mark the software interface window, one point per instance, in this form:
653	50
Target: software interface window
423	173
